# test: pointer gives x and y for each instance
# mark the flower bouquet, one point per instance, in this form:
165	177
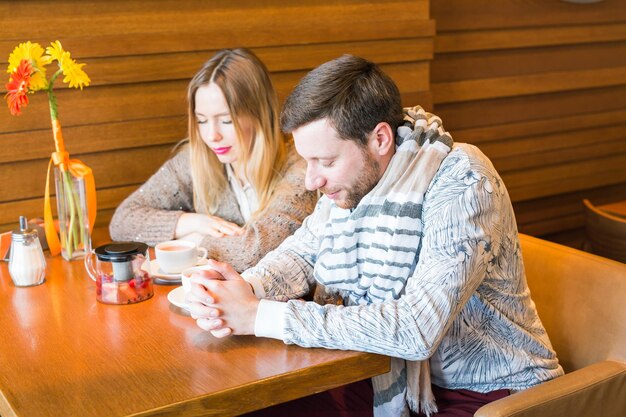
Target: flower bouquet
75	186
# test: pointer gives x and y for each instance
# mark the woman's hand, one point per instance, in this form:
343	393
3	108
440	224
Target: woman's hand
205	224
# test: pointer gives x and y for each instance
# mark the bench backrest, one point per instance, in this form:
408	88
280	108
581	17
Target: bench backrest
581	300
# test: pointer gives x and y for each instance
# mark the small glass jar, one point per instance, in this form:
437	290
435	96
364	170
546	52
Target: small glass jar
27	264
119	273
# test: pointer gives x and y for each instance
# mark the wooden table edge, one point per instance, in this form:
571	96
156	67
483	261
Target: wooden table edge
277	389
5	407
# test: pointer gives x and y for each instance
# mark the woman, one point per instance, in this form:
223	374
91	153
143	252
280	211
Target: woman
236	188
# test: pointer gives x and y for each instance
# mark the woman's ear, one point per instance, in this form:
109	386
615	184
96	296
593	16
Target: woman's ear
382	140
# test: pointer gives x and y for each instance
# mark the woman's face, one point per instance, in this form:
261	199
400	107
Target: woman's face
216	126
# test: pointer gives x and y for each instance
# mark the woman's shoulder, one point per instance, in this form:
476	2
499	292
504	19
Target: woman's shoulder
179	158
294	163
180	153
177	165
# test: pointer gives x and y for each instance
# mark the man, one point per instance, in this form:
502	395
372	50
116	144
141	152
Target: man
416	234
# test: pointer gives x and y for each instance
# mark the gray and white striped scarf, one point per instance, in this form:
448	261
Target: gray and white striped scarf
368	254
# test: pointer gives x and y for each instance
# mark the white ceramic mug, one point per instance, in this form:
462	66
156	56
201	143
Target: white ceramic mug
185	276
174	256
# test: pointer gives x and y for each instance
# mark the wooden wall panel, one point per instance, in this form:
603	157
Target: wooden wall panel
457	15
140	57
540	87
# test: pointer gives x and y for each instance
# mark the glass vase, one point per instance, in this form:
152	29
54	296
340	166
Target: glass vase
72	214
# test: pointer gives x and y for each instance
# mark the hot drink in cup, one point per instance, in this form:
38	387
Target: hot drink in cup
176	255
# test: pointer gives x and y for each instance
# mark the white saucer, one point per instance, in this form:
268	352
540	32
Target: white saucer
155	271
177	297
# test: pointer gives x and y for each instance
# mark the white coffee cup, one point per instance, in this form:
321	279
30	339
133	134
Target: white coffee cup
185	276
174	256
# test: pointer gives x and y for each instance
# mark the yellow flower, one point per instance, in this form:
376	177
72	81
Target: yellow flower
55	50
34	54
73	72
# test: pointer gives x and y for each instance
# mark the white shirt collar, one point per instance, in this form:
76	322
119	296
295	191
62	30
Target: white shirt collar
245	195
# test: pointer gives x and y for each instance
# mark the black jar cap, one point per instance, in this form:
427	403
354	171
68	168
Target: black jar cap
120	251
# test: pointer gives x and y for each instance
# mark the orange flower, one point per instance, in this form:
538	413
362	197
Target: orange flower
17	87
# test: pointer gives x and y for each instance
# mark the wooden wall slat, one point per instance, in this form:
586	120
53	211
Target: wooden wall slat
508	110
528	37
521	62
575	153
565	178
111	169
107	198
531	147
479	89
169	26
38	144
532	212
496	133
101	105
554	225
160	67
560	217
457	15
162	99
117	44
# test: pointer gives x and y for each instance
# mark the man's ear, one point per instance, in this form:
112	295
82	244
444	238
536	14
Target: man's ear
382	140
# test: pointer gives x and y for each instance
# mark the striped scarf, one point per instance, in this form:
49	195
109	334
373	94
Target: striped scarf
368	254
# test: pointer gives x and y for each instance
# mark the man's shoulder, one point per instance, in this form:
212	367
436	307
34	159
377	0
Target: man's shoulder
463	167
465	156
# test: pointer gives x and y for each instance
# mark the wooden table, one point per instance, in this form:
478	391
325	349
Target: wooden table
64	354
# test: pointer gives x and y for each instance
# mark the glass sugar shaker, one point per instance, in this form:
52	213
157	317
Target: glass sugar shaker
27	264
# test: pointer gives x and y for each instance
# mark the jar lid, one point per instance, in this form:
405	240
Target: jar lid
120	251
23	232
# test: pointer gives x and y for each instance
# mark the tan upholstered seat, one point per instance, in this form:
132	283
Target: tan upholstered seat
581	300
606	233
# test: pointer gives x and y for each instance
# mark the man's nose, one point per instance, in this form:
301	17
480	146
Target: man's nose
313	180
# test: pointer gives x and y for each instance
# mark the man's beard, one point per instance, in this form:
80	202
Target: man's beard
363	184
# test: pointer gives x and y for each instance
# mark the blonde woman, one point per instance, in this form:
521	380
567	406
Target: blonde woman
236	187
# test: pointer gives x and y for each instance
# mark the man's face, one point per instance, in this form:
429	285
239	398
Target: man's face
344	171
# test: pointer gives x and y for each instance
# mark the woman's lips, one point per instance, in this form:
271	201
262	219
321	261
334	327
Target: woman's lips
221	151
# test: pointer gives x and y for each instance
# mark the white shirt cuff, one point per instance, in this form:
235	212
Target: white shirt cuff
257	286
270	319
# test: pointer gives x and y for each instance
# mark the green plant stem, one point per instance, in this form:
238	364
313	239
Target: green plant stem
71	237
52	100
81	216
74	233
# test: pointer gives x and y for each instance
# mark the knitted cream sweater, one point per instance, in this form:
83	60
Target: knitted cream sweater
150	214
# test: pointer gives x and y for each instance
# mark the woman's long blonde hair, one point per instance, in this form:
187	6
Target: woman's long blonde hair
247	88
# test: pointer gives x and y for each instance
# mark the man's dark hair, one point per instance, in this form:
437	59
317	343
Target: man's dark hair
353	93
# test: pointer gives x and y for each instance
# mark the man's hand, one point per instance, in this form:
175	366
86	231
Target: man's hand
222	302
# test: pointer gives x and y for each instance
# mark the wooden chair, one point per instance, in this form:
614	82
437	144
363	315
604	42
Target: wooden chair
606	233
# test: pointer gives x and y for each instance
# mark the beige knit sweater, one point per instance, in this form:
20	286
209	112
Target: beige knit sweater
150	214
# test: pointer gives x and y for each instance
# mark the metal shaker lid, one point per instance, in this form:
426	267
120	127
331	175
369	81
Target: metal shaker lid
120	251
23	232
